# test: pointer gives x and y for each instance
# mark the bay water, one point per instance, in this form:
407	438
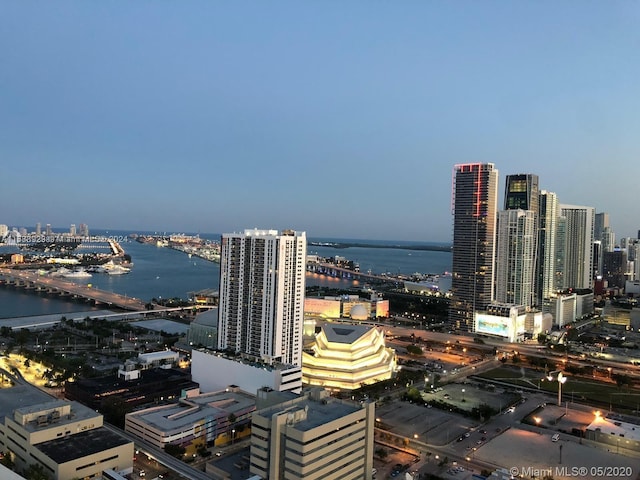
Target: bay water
166	273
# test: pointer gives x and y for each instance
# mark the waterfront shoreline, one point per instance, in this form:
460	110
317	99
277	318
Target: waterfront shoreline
344	245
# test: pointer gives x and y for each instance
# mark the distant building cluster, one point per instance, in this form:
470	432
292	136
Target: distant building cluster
16	234
535	263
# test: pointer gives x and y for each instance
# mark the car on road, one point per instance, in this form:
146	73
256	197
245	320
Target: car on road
555	437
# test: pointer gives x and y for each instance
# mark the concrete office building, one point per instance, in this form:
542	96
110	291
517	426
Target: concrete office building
214	371
262	287
195	419
314	437
578	258
66	439
475	200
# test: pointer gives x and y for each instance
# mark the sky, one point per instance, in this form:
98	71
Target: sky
340	118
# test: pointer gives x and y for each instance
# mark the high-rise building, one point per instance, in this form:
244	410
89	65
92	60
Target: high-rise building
516	257
521	192
313	437
72	230
601	221
614	266
475	200
84	230
262	287
48	229
4	230
546	258
517	237
38	228
602	231
578	261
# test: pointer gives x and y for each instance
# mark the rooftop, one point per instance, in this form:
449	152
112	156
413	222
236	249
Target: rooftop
20	396
208	318
616	425
319	412
344	333
196	408
78	412
71	447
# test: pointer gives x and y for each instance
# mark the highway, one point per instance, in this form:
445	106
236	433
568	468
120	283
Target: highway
170	462
33	280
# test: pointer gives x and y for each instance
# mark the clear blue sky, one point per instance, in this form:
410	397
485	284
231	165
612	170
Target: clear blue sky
341	118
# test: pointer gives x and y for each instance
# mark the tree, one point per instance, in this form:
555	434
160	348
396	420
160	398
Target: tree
414	350
35	471
175	450
381	453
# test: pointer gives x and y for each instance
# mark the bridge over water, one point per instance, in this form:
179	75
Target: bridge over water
40	283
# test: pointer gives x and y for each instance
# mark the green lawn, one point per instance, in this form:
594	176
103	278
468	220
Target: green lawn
576	388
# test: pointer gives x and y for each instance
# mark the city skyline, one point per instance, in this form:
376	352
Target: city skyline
341	121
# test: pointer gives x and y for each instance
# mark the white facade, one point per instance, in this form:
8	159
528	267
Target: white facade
215	372
516	257
501	320
262	286
578	258
565	308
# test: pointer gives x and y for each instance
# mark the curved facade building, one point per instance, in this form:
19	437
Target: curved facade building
345	357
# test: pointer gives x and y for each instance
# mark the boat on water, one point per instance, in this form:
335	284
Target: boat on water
117	270
77	274
423	283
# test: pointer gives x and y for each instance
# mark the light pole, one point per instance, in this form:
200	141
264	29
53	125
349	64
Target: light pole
561	379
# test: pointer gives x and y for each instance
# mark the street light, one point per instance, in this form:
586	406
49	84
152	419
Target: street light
561	379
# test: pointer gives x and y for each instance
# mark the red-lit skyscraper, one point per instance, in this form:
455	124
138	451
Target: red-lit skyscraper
474	203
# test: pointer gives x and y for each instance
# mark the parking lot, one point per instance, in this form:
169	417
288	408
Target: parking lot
431	425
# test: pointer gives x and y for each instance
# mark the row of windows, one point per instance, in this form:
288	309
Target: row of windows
108	459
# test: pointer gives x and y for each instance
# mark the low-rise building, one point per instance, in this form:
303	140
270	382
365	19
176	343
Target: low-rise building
347	357
66	439
210	418
503	321
203	331
313	437
617	431
152	385
214	371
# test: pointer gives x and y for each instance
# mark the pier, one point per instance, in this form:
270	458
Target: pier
40	283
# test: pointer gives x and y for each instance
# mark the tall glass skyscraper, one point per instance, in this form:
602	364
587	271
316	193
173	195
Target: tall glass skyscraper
546	282
521	192
262	286
475	199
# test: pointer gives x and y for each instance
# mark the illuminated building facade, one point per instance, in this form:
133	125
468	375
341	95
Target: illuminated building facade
503	320
475	199
345	357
